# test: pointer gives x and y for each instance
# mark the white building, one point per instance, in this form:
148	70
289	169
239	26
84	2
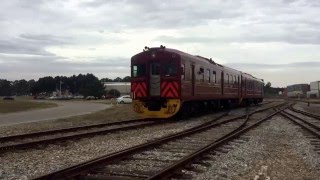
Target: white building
314	90
122	87
297	90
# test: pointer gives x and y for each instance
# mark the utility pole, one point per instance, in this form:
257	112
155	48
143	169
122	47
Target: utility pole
60	88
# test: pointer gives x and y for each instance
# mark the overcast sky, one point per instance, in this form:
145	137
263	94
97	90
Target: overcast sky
276	40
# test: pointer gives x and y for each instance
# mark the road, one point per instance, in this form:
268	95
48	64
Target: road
64	109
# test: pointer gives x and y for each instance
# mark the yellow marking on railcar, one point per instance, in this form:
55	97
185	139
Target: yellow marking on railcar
173	106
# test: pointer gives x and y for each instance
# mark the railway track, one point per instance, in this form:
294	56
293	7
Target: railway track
162	158
23	141
51	136
309	122
304	113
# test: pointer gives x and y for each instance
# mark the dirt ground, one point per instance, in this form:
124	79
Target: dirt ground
10	106
115	113
312	108
287	153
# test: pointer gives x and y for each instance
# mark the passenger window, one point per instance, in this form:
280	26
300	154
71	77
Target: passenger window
227	79
183	73
214	79
201	72
208	75
191	73
138	70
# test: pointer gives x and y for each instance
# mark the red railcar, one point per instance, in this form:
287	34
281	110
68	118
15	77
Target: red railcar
167	81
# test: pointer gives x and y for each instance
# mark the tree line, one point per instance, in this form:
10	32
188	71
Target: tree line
271	91
82	84
86	85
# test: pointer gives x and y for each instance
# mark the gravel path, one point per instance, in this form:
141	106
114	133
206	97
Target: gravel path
278	145
65	109
113	114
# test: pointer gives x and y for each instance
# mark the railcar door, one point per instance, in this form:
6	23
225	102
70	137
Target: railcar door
245	87
222	82
155	79
192	79
239	87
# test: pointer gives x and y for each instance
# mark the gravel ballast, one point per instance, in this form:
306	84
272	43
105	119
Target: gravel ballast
26	164
312	108
277	144
35	162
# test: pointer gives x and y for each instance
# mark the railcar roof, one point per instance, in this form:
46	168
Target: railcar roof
199	58
209	61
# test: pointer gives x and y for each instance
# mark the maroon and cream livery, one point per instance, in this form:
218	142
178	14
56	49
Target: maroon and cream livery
167	81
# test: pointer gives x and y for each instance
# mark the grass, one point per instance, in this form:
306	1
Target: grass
17	105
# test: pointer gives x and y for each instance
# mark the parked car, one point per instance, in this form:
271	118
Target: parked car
91	98
124	99
53	97
39	97
8	98
64	97
78	97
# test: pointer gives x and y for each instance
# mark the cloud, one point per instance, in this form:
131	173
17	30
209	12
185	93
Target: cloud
28	67
281	75
45	39
263	66
21	47
31	44
79	36
293	37
154	14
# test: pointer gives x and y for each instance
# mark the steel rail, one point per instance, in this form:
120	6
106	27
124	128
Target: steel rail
77	128
63	130
304	113
29	144
305	121
165	173
301	125
83	168
23	145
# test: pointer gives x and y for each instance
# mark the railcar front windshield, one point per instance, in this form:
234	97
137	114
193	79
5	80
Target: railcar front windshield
138	70
169	69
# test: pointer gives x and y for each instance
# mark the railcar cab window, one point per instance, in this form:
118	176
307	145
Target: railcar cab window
214	79
138	70
169	69
155	69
